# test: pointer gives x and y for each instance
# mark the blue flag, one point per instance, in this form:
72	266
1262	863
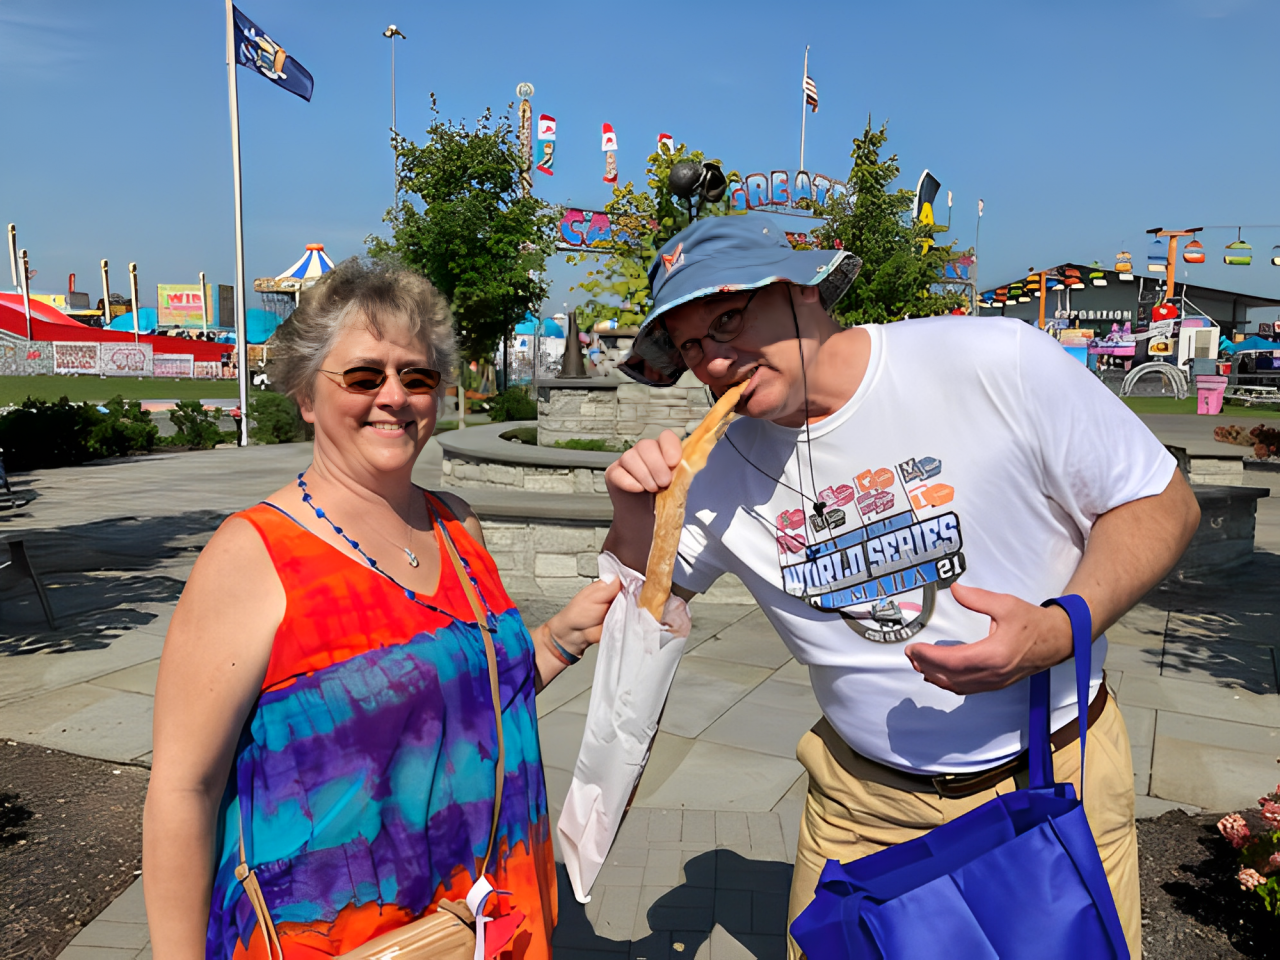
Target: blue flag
257	51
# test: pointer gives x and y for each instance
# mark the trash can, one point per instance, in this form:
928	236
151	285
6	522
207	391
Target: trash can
1209	393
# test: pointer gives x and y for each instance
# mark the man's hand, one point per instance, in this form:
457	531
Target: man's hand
1024	639
632	480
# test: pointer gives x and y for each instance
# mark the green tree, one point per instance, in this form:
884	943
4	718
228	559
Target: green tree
901	264
643	220
470	230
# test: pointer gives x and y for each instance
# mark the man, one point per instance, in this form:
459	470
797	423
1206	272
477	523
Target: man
899	500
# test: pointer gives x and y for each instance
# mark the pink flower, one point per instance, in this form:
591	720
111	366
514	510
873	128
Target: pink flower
1249	878
1270	811
1233	827
1274	861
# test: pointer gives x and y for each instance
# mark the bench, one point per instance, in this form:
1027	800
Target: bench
1252	395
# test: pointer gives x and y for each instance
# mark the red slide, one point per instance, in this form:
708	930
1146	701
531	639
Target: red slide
50	324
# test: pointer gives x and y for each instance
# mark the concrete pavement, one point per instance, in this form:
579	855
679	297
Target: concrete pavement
702	866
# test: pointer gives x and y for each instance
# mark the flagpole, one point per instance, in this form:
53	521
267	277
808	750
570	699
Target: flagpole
804	104
977	255
242	347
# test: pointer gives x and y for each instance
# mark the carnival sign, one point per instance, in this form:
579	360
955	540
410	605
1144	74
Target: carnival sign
760	191
580	229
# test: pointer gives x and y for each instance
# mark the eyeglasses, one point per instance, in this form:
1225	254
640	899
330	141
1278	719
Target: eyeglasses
723	328
415	380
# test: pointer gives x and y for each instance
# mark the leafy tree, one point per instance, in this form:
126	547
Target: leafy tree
471	231
901	265
643	220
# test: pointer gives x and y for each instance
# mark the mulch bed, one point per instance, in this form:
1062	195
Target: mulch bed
70	843
1192	907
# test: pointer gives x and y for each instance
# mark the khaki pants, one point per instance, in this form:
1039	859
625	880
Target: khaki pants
855	808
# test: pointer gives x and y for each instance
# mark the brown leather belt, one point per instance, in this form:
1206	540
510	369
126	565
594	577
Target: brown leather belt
955	786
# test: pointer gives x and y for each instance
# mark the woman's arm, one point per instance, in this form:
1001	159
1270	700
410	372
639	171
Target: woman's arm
574	628
215	657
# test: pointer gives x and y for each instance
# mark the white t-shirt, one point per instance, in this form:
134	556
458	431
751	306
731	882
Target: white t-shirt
974	447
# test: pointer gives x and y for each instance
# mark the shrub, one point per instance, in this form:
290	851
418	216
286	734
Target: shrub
527	435
606	446
44	433
125	427
1259	852
514	403
275	418
196	426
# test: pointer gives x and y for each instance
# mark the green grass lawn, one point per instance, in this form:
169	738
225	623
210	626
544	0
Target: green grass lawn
1234	409
14	390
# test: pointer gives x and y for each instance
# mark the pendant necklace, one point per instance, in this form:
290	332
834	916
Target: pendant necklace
307	499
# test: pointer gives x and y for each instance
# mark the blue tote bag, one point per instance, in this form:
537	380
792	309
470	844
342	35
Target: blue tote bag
1019	877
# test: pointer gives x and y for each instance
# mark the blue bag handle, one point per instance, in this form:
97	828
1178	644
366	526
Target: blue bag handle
1040	756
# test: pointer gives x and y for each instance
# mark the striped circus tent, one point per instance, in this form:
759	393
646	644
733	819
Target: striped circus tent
314	264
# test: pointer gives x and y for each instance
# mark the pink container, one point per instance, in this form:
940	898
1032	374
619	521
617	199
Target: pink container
1209	393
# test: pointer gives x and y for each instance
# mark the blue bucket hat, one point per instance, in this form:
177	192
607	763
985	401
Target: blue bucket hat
725	255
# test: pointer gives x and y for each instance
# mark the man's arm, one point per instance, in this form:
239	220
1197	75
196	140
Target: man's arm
1129	551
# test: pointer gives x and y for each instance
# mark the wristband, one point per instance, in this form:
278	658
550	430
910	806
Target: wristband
567	658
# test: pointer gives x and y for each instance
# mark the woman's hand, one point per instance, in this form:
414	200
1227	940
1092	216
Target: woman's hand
577	626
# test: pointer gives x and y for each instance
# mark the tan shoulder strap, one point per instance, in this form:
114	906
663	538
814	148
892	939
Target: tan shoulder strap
491	655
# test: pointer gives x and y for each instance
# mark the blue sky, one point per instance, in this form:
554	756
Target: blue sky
1080	125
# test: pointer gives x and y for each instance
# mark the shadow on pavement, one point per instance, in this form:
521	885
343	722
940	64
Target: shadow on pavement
747	898
97	575
1224	628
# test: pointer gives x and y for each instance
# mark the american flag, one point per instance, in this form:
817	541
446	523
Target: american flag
810	93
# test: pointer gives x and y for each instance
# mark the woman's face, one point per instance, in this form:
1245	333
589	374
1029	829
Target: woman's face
384	431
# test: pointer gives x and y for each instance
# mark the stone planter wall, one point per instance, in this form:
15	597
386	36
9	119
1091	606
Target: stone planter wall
619	414
461	472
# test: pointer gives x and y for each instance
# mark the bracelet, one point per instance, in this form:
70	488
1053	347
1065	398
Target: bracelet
567	658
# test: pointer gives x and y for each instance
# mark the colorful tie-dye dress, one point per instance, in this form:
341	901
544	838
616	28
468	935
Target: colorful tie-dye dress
365	774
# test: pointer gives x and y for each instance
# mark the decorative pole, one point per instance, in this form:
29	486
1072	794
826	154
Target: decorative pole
13	254
133	293
106	298
26	290
204	305
524	91
804	103
242	346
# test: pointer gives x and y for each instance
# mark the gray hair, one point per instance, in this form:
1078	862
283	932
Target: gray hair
372	291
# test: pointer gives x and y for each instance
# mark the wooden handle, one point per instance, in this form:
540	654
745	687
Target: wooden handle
668	507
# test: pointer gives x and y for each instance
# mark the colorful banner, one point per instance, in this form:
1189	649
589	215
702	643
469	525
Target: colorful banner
667	141
760	191
546	144
181	305
207	370
609	144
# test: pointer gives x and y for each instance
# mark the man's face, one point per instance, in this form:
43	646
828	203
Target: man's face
765	352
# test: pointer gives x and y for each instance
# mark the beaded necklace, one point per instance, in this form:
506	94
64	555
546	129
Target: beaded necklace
410	594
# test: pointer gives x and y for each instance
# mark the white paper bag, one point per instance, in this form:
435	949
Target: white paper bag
634	669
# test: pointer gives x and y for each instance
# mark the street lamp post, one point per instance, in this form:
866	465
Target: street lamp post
204	306
106	297
25	276
391	33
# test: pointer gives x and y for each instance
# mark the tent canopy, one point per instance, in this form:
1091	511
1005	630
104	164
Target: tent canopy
1253	345
314	263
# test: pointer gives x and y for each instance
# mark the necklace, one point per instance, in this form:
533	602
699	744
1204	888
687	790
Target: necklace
410	594
307	499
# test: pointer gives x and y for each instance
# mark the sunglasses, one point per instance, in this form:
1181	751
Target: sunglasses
415	380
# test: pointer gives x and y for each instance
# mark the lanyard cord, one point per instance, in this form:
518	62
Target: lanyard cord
818	505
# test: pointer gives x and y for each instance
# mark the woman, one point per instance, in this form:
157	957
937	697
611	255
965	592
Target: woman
325	689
